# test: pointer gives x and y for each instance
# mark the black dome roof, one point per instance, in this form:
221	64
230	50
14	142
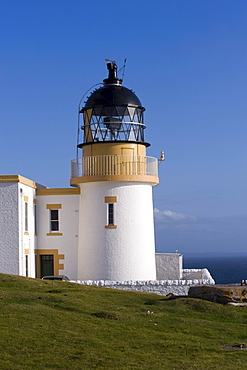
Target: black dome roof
112	93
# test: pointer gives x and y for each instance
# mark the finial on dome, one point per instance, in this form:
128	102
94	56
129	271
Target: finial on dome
112	74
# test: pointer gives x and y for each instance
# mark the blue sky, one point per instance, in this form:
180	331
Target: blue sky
186	61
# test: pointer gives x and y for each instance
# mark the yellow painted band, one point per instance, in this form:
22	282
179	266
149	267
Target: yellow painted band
154	180
115	148
110	227
18	178
110	199
64	191
53	206
54	234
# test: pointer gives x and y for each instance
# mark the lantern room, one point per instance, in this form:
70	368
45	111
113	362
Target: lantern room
113	113
113	145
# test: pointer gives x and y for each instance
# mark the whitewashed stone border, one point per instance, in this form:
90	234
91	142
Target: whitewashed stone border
161	287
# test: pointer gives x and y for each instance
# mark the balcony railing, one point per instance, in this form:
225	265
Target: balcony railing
114	165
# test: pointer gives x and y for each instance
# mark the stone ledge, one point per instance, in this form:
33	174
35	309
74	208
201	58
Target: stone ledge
220	293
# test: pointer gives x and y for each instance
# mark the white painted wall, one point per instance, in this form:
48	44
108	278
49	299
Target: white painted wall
125	253
67	243
9	226
168	266
26	241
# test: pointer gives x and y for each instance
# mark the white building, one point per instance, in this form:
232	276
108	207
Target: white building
39	228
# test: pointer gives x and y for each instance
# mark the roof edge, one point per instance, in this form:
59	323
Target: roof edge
58	191
21	179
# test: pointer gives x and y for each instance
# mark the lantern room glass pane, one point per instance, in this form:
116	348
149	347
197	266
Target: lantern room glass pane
122	111
131	113
114	123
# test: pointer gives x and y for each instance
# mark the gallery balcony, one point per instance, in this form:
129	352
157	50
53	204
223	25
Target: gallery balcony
114	168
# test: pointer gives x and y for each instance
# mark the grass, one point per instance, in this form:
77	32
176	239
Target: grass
59	325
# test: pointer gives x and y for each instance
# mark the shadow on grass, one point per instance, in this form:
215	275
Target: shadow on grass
106	315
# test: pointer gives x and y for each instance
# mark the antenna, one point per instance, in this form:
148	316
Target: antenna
123	68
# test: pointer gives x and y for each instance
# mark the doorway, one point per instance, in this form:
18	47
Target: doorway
47	264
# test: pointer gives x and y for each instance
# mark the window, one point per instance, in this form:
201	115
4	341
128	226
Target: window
54	219
36	266
110	200
54	225
110	214
26	216
35	219
26	265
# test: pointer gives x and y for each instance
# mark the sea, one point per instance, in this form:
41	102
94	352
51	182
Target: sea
225	269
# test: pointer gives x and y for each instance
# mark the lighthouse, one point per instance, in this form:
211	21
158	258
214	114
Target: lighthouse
115	176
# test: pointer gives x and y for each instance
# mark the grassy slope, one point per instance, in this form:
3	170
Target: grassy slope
57	325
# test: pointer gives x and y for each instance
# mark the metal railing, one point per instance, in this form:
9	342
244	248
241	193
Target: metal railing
114	165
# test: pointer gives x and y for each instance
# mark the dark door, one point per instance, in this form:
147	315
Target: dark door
47	264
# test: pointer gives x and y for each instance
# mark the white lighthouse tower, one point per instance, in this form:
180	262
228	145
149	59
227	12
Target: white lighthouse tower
116	226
